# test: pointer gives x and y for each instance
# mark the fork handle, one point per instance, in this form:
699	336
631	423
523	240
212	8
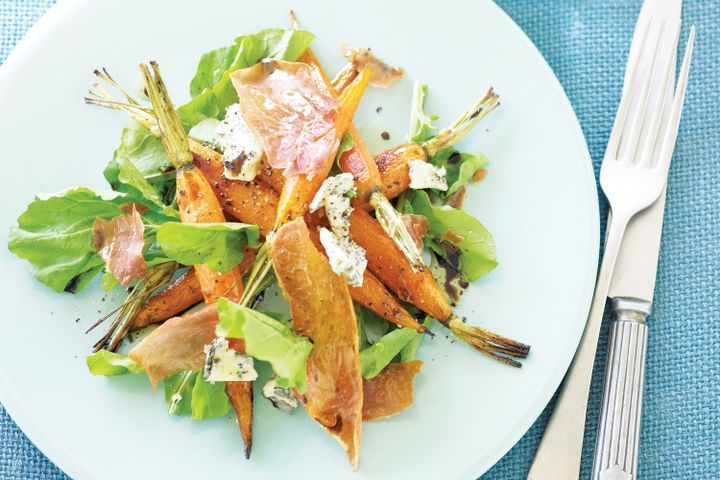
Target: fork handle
618	435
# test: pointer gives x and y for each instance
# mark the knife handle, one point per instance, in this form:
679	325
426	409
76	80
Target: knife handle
618	435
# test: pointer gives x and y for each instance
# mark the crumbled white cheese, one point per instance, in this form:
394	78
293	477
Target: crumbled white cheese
281	398
332	195
347	258
426	175
242	152
223	364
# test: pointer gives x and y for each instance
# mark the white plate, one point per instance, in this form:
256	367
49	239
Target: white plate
539	201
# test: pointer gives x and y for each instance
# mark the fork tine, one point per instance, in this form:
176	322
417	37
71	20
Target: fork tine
673	124
653	132
626	99
638	123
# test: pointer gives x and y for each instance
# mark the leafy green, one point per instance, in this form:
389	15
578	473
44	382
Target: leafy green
267	339
409	351
138	167
375	358
199	398
171	385
220	245
55	235
473	241
209	399
108	281
460	168
371	325
211	88
104	362
421	124
205	132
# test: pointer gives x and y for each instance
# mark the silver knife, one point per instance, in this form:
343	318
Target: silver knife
631	290
559	455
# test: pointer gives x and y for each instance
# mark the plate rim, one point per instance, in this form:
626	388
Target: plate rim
52	448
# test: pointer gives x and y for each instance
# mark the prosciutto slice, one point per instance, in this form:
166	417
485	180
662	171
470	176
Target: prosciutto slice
381	74
291	112
391	391
119	242
176	345
322	309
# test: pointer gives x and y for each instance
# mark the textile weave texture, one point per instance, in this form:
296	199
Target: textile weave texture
586	43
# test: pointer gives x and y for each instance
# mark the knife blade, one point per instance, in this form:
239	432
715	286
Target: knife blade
636	267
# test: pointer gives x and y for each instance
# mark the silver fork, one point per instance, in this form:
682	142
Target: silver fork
632	178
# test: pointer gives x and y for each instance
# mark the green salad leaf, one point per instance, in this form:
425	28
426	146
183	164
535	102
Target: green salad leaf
267	339
139	167
205	132
370	325
409	351
460	168
421	124
106	363
171	386
211	88
458	230
376	357
198	398
220	245
55	235
209	399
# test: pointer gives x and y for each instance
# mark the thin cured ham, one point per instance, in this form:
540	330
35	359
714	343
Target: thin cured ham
391	391
322	309
119	242
176	345
291	112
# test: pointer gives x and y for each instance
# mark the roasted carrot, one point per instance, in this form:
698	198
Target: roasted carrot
359	162
394	168
372	294
358	159
180	295
241	397
197	203
251	202
298	190
419	287
177	297
195	197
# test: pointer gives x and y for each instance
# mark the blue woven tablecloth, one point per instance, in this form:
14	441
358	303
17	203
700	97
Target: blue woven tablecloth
586	43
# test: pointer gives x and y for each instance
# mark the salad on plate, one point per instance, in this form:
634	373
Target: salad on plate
261	181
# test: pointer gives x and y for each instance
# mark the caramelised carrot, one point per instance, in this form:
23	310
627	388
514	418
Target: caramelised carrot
180	295
197	203
357	160
394	168
196	200
241	397
372	294
177	297
419	287
299	190
251	202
